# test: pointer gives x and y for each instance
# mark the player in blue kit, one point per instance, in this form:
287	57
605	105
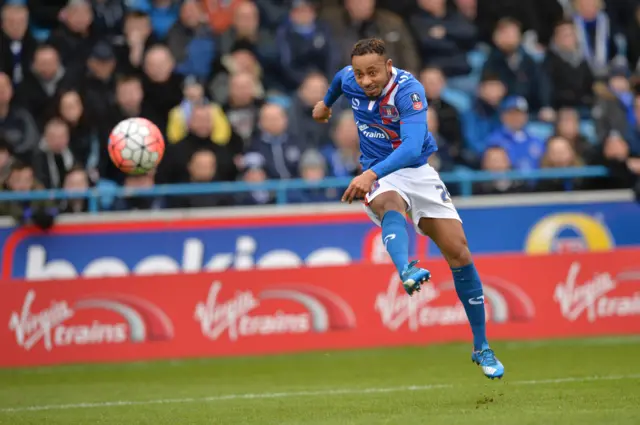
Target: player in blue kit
390	110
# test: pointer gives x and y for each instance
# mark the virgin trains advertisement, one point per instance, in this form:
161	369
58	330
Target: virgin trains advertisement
290	240
299	309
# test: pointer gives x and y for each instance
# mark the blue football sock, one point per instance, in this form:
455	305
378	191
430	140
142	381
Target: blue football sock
469	290
396	238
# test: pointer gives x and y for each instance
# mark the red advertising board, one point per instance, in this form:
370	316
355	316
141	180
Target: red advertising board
278	311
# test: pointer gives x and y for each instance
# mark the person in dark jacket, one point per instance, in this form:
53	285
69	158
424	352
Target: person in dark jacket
17	45
191	42
569	73
17	127
520	73
443	36
274	144
305	45
301	123
40	213
75	37
46	79
483	118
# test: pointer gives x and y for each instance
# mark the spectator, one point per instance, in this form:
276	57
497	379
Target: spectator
537	17
161	86
524	149
109	17
132	202
98	85
305	45
243	106
53	158
559	153
254	174
274	144
569	73
84	143
202	122
496	160
45	14
239	61
129	96
190	41
362	20
520	73
76	180
434	82
483	118
443	36
163	14
17	127
75	37
5	159
313	169
246	31
568	127
221	14
17	46
201	168
614	109
221	131
343	157
40	213
301	123
633	40
442	160
43	83
595	35
138	39
622	160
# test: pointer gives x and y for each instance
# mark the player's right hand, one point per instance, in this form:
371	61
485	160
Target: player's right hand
321	112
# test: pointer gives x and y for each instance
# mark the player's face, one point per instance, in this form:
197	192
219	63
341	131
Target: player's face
372	73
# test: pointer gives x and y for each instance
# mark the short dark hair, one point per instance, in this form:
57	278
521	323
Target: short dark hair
369	46
562	23
18	165
508	21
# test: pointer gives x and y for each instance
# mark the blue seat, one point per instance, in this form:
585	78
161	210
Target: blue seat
476	59
281	100
456	98
588	130
541	130
106	199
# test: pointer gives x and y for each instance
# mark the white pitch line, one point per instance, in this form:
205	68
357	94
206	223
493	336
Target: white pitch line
293	394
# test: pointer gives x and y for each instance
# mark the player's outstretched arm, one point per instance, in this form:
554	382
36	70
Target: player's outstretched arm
322	110
412	106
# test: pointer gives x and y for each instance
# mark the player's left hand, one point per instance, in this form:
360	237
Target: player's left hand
359	186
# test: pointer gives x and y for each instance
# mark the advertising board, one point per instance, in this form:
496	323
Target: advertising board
280	311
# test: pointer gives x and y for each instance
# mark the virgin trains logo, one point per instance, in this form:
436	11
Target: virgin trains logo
278	310
600	296
438	305
111	319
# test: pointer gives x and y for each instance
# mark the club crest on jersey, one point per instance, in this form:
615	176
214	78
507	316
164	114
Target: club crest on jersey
389	112
417	103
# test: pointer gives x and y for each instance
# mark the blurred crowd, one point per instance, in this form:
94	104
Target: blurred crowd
511	84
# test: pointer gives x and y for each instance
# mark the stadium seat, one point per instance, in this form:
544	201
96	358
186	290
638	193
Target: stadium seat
281	100
476	59
106	199
541	130
588	130
456	98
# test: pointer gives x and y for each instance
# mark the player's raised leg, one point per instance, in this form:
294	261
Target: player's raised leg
449	235
390	209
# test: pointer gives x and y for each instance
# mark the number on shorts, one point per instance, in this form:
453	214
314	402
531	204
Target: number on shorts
444	193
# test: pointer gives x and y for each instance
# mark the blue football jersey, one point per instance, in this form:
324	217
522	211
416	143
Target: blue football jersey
378	120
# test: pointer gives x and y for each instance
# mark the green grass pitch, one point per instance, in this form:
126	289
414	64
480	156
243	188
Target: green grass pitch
582	382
